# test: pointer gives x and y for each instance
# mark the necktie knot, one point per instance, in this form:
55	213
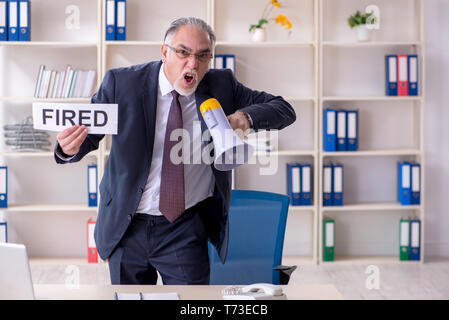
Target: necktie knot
175	94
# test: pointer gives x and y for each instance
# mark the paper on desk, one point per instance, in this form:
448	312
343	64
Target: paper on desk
146	296
127	296
160	296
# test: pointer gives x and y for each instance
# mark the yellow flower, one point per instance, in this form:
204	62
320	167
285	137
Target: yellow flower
280	18
275	3
266	17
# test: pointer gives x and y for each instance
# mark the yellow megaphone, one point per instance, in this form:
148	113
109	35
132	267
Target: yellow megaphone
230	150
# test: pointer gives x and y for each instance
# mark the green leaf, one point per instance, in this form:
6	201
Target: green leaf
262	22
359	19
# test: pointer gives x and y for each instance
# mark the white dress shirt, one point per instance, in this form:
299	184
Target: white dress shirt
199	180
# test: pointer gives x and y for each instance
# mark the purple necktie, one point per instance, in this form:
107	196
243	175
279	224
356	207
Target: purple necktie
171	200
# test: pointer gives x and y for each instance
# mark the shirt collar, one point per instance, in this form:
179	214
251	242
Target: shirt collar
164	84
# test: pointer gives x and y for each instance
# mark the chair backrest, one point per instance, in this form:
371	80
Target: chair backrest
256	238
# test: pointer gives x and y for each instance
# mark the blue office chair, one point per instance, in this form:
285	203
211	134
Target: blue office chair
256	238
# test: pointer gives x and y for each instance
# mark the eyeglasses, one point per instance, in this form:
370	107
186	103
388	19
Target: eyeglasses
184	54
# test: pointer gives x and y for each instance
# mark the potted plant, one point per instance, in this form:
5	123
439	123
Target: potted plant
258	29
362	24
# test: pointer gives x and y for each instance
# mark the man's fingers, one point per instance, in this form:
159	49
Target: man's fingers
67	136
70	142
67	132
233	121
77	141
237	121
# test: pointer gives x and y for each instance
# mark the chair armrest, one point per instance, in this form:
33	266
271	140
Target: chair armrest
285	273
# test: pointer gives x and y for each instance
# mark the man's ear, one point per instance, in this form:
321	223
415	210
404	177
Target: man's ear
164	52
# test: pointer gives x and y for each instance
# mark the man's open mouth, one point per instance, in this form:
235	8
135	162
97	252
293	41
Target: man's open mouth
189	78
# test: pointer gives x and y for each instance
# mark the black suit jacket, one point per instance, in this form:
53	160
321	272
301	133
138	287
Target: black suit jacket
135	89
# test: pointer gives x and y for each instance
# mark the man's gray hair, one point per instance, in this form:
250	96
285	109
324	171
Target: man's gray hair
190	21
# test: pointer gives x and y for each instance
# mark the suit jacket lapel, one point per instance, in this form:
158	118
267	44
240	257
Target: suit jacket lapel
201	95
149	103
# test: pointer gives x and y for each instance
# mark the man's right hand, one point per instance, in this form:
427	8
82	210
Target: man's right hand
71	139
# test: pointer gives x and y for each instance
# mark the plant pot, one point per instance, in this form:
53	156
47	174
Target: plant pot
259	35
363	33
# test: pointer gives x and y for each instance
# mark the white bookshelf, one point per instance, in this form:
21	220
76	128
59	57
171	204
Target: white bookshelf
293	61
310	71
390	128
47	203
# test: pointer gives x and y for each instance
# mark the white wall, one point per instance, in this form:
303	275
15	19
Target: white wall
437	128
436	182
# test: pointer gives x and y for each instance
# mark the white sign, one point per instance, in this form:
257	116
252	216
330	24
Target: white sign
98	118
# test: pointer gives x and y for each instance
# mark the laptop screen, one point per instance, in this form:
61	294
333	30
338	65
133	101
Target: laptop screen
15	275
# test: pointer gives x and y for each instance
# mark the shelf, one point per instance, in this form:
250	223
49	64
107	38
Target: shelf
220	44
370	44
133	43
301	208
265	44
297	261
26	154
62	261
49	207
363	153
306	99
382	206
372	98
50	44
55	100
285	153
367	260
42	154
269	153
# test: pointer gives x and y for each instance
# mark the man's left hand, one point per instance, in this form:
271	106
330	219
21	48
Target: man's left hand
239	121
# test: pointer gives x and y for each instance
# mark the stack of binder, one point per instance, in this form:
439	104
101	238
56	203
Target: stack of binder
409	239
92	254
14	20
409	183
92	185
3	187
299	184
115	20
333	185
67	83
340	130
224	61
401	75
328	239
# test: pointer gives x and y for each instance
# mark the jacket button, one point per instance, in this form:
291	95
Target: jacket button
130	216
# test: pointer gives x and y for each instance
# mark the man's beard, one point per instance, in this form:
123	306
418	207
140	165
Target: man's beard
182	91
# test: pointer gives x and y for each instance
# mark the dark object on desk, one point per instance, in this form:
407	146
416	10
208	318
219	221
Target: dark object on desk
256	238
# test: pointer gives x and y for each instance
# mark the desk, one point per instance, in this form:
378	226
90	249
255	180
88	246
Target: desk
94	292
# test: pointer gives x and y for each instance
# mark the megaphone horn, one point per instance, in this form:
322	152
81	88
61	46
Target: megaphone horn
230	150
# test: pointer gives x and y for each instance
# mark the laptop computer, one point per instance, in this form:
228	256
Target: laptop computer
15	275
